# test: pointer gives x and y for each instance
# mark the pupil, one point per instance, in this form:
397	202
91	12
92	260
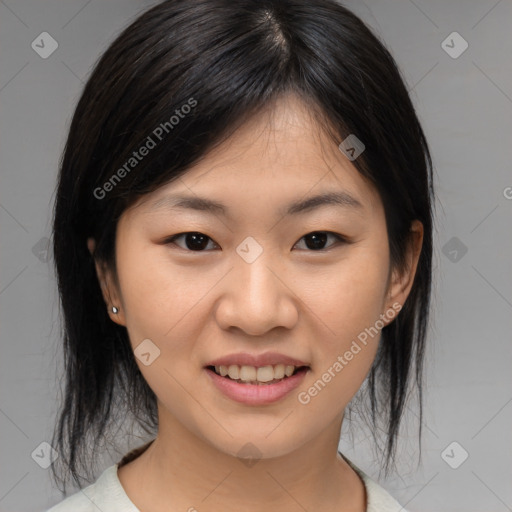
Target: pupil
318	240
196	241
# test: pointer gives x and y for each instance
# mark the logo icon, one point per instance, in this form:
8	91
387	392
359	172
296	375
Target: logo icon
249	250
44	45
249	454
454	249
351	147
454	45
454	455
44	455
146	352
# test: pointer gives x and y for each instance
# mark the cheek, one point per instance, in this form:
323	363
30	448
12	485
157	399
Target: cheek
348	308
347	301
349	297
347	340
163	304
163	301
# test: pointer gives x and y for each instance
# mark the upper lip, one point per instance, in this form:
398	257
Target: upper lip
266	359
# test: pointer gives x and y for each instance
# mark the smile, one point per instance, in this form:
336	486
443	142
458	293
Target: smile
256	386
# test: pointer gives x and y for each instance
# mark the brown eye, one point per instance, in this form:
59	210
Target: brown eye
194	241
317	239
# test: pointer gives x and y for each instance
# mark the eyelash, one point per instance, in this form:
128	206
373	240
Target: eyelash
170	240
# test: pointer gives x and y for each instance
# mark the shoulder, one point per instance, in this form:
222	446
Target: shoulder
106	494
378	499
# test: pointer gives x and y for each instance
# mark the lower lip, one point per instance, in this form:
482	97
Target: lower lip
255	394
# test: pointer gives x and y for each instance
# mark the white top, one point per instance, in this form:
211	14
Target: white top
108	495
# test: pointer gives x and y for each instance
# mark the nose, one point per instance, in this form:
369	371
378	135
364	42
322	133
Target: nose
257	298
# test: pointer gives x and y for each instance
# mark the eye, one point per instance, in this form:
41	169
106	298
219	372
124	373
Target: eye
198	242
317	239
194	241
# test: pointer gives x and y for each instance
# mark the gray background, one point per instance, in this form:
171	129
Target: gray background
465	105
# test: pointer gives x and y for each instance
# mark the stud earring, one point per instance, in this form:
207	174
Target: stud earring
115	310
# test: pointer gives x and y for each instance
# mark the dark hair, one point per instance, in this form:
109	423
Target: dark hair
226	60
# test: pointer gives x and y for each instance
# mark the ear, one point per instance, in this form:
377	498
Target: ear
401	283
109	289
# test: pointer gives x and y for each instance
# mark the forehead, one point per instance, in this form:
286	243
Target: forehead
280	155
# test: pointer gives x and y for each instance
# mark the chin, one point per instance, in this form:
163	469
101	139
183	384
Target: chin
256	443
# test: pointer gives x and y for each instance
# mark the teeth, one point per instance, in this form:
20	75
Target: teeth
279	371
265	374
288	370
253	374
233	371
247	373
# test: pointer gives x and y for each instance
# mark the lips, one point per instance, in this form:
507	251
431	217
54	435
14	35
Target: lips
256	379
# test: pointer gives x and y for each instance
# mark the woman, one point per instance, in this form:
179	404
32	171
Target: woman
243	241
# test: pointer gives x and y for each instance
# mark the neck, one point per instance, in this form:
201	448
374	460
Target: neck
182	470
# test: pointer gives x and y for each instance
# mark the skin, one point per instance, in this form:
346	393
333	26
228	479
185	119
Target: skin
304	302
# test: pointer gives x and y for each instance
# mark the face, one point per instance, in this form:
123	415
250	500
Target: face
314	284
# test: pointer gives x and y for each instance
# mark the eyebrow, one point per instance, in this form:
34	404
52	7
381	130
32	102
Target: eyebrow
340	199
